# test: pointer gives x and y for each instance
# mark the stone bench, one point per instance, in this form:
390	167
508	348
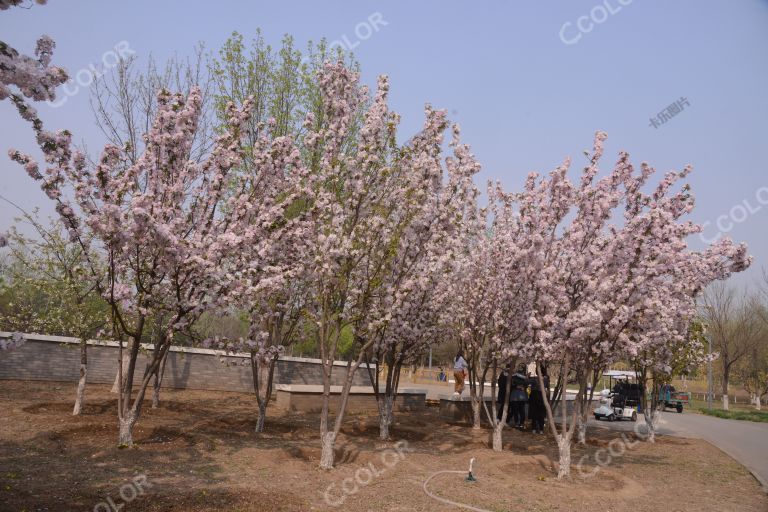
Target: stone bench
309	398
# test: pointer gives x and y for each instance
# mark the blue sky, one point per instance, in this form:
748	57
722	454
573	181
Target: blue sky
529	82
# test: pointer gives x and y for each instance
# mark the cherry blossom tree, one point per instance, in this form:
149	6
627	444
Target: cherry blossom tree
489	292
369	207
348	205
410	302
351	210
274	299
173	240
664	335
594	278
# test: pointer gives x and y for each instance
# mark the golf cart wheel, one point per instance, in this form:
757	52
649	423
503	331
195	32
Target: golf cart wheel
597	418
611	417
634	415
679	408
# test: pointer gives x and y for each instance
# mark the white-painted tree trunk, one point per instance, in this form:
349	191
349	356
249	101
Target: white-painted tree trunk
651	420
725	402
80	397
386	404
328	441
581	430
564	452
497	439
125	436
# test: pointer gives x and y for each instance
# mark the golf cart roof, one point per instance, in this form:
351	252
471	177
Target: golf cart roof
620	374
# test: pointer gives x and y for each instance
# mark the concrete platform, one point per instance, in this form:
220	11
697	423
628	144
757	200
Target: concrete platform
458	408
309	398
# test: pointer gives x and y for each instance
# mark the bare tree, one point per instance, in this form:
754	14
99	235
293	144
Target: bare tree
753	370
735	326
124	102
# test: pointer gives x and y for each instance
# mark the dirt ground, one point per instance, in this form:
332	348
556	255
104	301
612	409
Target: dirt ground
198	452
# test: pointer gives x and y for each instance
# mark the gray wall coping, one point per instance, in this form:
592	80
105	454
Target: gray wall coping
354	390
174	348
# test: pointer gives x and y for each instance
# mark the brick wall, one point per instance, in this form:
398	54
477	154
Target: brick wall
57	358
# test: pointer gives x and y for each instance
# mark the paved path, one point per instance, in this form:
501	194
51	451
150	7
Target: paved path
745	441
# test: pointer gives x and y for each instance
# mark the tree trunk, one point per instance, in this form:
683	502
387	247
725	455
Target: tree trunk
158	382
586	405
564	452
126	423
651	416
476	416
386	404
725	390
80	396
262	416
757	402
497	440
116	385
581	429
156	393
262	373
328	440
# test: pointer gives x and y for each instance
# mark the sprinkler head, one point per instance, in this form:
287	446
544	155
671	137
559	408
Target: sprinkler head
470	476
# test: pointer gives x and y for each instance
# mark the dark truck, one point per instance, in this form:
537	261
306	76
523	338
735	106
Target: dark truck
669	397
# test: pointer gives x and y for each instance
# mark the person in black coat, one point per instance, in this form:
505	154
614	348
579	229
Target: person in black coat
518	397
536	410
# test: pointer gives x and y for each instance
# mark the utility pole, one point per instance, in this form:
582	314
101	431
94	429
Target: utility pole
709	373
430	357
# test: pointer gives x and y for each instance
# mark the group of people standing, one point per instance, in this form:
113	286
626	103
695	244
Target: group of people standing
524	391
525	400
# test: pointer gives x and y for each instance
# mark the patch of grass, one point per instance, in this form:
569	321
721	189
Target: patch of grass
696	405
760	416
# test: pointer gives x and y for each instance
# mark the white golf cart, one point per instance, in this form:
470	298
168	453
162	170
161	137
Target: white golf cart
621	400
